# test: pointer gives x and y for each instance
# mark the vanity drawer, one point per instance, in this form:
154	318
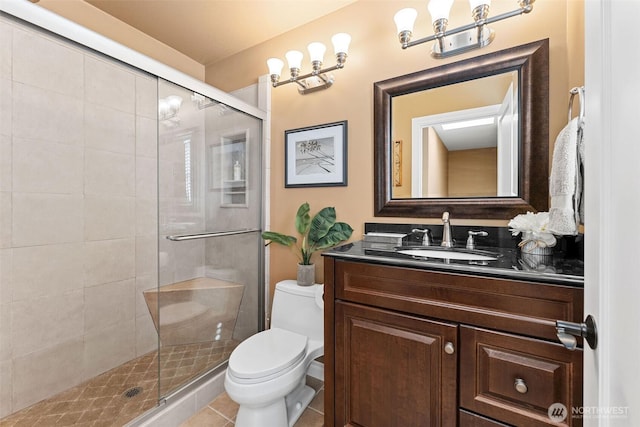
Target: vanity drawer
468	419
516	379
513	306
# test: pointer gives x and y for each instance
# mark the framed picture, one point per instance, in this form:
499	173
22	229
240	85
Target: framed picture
316	156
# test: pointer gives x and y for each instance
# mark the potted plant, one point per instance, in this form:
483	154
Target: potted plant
317	233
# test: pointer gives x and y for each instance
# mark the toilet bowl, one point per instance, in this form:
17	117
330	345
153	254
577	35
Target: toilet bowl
266	374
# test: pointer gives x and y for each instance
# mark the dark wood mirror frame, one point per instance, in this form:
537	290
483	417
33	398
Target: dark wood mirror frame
532	63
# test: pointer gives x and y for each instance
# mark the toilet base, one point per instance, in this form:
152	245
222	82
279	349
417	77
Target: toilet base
298	400
283	412
276	413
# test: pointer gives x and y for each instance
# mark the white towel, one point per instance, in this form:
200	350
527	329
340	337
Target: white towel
565	183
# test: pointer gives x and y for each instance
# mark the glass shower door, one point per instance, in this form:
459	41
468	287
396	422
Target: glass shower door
210	289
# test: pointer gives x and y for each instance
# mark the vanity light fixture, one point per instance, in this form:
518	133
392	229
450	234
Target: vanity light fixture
317	79
452	42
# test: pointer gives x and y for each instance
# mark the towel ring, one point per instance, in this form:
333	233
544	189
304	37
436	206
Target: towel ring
580	92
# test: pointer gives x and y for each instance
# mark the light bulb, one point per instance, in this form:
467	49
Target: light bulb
405	18
439	9
275	66
316	51
341	43
294	58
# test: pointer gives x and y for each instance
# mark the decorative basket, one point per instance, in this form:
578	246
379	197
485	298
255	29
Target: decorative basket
534	247
533	262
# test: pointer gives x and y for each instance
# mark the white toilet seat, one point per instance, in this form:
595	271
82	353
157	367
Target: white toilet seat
266	355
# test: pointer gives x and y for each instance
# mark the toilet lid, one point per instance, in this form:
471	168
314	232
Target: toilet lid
267	353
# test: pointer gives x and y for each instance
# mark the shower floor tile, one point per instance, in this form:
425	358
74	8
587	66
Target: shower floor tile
119	395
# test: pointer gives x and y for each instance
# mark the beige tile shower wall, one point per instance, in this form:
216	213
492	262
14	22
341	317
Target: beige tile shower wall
78	219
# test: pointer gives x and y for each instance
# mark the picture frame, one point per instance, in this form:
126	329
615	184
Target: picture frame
316	156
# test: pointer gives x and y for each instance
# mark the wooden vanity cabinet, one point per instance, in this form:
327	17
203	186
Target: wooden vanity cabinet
412	347
393	368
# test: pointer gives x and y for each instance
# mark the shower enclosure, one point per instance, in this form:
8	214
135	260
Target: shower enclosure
210	259
131	262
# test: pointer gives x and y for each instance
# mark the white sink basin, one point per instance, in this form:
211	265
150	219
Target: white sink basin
448	254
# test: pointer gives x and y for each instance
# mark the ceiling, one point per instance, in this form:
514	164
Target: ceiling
211	30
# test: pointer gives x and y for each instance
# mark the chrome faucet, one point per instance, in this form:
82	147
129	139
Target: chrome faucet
471	243
447	241
426	235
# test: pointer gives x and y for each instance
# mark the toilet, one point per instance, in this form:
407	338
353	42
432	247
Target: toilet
266	374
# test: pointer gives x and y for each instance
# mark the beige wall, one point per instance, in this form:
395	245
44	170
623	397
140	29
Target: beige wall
375	55
473	173
102	23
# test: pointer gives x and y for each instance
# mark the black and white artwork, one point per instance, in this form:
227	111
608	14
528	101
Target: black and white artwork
316	156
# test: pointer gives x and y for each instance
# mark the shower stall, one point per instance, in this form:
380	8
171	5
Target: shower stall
131	262
210	250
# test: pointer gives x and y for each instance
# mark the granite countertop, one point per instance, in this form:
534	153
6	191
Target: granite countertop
563	267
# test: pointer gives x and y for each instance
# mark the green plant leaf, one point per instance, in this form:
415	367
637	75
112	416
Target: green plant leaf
279	238
303	219
320	225
339	232
319	232
306	257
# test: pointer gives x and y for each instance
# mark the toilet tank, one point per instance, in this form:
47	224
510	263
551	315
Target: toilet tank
298	309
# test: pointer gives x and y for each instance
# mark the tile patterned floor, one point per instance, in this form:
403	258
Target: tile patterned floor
103	401
221	412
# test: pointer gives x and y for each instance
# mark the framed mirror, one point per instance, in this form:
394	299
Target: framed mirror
470	137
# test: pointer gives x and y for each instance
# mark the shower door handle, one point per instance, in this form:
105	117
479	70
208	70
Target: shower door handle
181	237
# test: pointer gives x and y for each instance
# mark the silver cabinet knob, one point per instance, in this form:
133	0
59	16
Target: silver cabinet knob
521	386
449	348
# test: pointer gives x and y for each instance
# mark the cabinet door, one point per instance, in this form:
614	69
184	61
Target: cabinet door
393	369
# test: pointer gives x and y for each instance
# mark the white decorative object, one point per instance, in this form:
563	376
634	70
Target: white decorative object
237	171
536	239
